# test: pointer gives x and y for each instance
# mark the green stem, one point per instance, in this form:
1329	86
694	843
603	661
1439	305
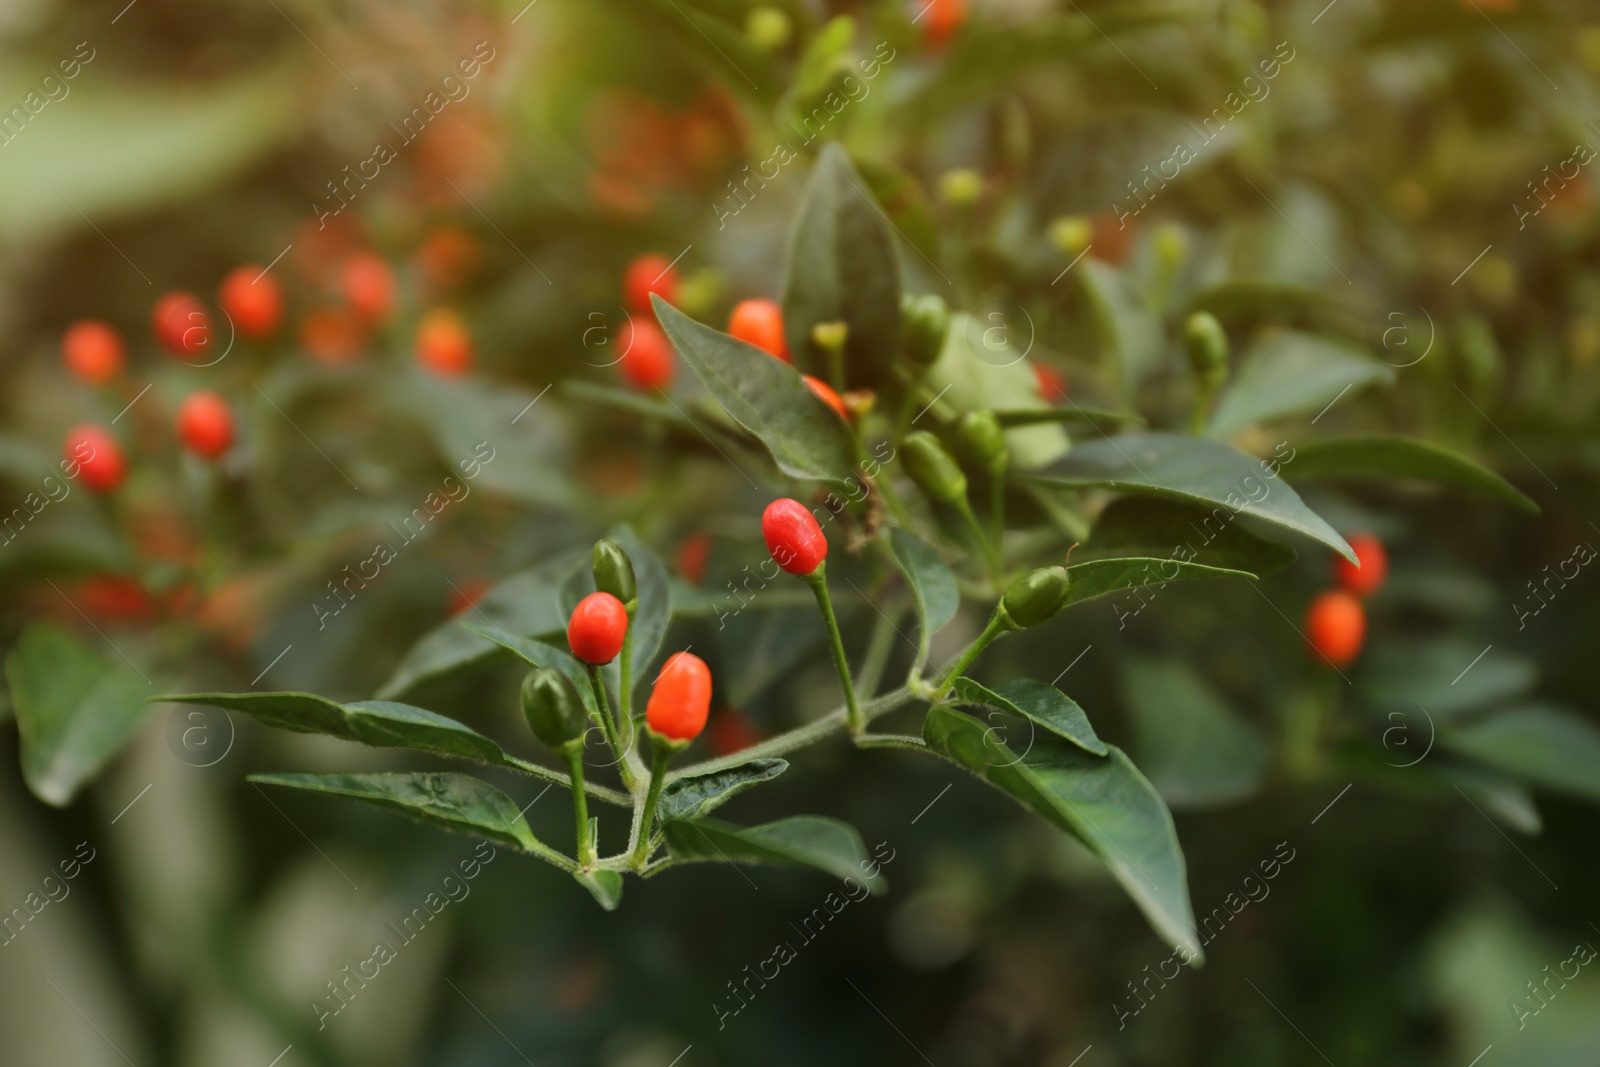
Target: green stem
658	777
984	545
800	736
1202	408
580	805
891	741
550	774
995	628
818	581
625	683
836	366
608	726
997	512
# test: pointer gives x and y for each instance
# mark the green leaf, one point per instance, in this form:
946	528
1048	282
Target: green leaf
605	885
1444	676
1037	702
525	603
538	654
1196	750
1401	457
1066	412
1245	300
799	841
456	802
697	795
842	268
759	647
1500	796
1547	745
1128	331
1289	373
1194	470
933	584
1103	802
1101	577
1151	527
806	437
380	723
74	709
978	370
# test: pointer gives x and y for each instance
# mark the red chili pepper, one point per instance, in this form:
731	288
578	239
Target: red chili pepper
92	351
1052	386
205	425
1336	626
368	286
1366	577
759	322
793	536
181	324
649	273
597	627
681	699
647	360
692	556
944	18
443	344
253	300
824	392
96	456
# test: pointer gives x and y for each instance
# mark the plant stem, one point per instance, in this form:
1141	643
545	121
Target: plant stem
997	514
658	776
891	741
580	805
608	726
818	580
990	632
1201	409
984	545
550	774
625	683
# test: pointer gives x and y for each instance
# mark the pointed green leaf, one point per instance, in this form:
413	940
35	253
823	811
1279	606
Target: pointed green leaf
842	268
697	795
1102	577
933	584
605	885
456	802
1104	802
538	654
979	370
74	709
1066	412
1290	373
1195	470
1196	750
1423	672
1547	745
799	841
1151	527
766	396
1401	457
1128	331
1038	702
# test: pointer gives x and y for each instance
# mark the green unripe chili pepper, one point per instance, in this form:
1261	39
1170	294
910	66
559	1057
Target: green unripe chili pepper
1035	597
924	320
1206	345
933	469
983	441
554	711
613	573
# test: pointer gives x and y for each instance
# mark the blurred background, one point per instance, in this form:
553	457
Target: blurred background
443	199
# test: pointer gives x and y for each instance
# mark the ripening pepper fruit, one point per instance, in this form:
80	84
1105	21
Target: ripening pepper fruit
983	441
368	285
647	360
649	273
597	628
181	324
1336	626
443	344
1052	386
759	322
205	425
681	698
92	351
613	573
940	20
97	455
1036	597
933	469
925	319
793	536
692	556
252	300
1366	577
1206	345
554	711
825	393
334	336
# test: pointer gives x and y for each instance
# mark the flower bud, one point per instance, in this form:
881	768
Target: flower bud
680	699
793	537
932	468
961	186
1036	597
925	320
1206	345
1172	247
554	711
1071	234
613	573
983	441
769	28
830	336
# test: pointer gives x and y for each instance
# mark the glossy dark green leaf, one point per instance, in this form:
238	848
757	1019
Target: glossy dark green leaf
1547	745
1066	412
538	654
74	709
606	886
456	802
1445	676
1289	373
1101	577
1195	470
933	584
1501	797
1103	802
842	268
980	369
380	723
524	604
798	841
1253	299
1195	749
1400	457
1128	331
1151	527
1038	702
760	647
766	396
700	794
